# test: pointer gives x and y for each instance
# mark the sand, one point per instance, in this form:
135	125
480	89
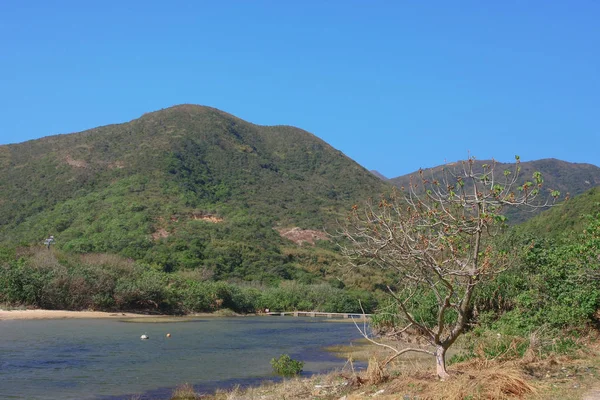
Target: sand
58	314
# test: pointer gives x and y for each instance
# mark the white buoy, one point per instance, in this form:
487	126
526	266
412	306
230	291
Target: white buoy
144	337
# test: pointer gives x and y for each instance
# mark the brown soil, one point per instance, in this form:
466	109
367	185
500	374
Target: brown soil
116	164
75	163
300	236
206	217
160	233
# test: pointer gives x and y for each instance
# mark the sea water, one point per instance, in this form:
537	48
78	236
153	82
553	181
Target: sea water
105	359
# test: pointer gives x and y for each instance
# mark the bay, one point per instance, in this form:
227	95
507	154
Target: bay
105	359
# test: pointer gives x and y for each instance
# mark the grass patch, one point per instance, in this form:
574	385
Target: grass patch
358	350
185	392
226	312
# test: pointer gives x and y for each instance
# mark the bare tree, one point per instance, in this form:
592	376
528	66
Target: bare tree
434	237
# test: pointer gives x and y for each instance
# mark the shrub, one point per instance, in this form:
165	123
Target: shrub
286	366
294	296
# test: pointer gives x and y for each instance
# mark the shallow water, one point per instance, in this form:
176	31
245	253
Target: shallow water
105	359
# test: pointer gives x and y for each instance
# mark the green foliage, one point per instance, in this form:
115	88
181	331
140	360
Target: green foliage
19	285
386	317
423	306
286	366
490	346
293	296
554	282
55	280
494	346
566	217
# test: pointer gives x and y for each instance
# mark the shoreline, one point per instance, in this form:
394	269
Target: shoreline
34	314
64	314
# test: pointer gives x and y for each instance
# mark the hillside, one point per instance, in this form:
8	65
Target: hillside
192	187
570	179
566	218
184	187
379	175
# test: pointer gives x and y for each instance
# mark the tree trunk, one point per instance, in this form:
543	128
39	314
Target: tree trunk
440	361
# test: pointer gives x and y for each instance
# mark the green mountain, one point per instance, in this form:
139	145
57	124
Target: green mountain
571	179
186	187
195	188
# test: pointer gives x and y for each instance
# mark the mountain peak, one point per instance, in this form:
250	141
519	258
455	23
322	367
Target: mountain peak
150	174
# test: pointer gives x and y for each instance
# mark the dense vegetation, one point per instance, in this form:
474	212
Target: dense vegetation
552	285
55	280
555	282
184	188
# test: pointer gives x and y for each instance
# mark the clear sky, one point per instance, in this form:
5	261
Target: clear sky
395	85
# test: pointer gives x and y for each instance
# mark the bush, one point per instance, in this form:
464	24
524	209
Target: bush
286	366
294	296
553	284
490	345
61	280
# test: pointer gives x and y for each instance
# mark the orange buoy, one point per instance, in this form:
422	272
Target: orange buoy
168	335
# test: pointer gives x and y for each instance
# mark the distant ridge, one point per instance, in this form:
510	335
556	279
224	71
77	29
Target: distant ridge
568	178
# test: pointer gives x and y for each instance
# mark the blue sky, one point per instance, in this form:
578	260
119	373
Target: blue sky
395	85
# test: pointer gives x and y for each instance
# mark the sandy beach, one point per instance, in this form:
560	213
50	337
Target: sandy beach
57	314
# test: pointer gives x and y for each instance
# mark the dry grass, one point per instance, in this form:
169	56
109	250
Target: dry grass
9	307
360	350
198	274
532	377
527	378
288	389
112	261
477	380
566	377
185	392
375	373
363	350
326	386
41	258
